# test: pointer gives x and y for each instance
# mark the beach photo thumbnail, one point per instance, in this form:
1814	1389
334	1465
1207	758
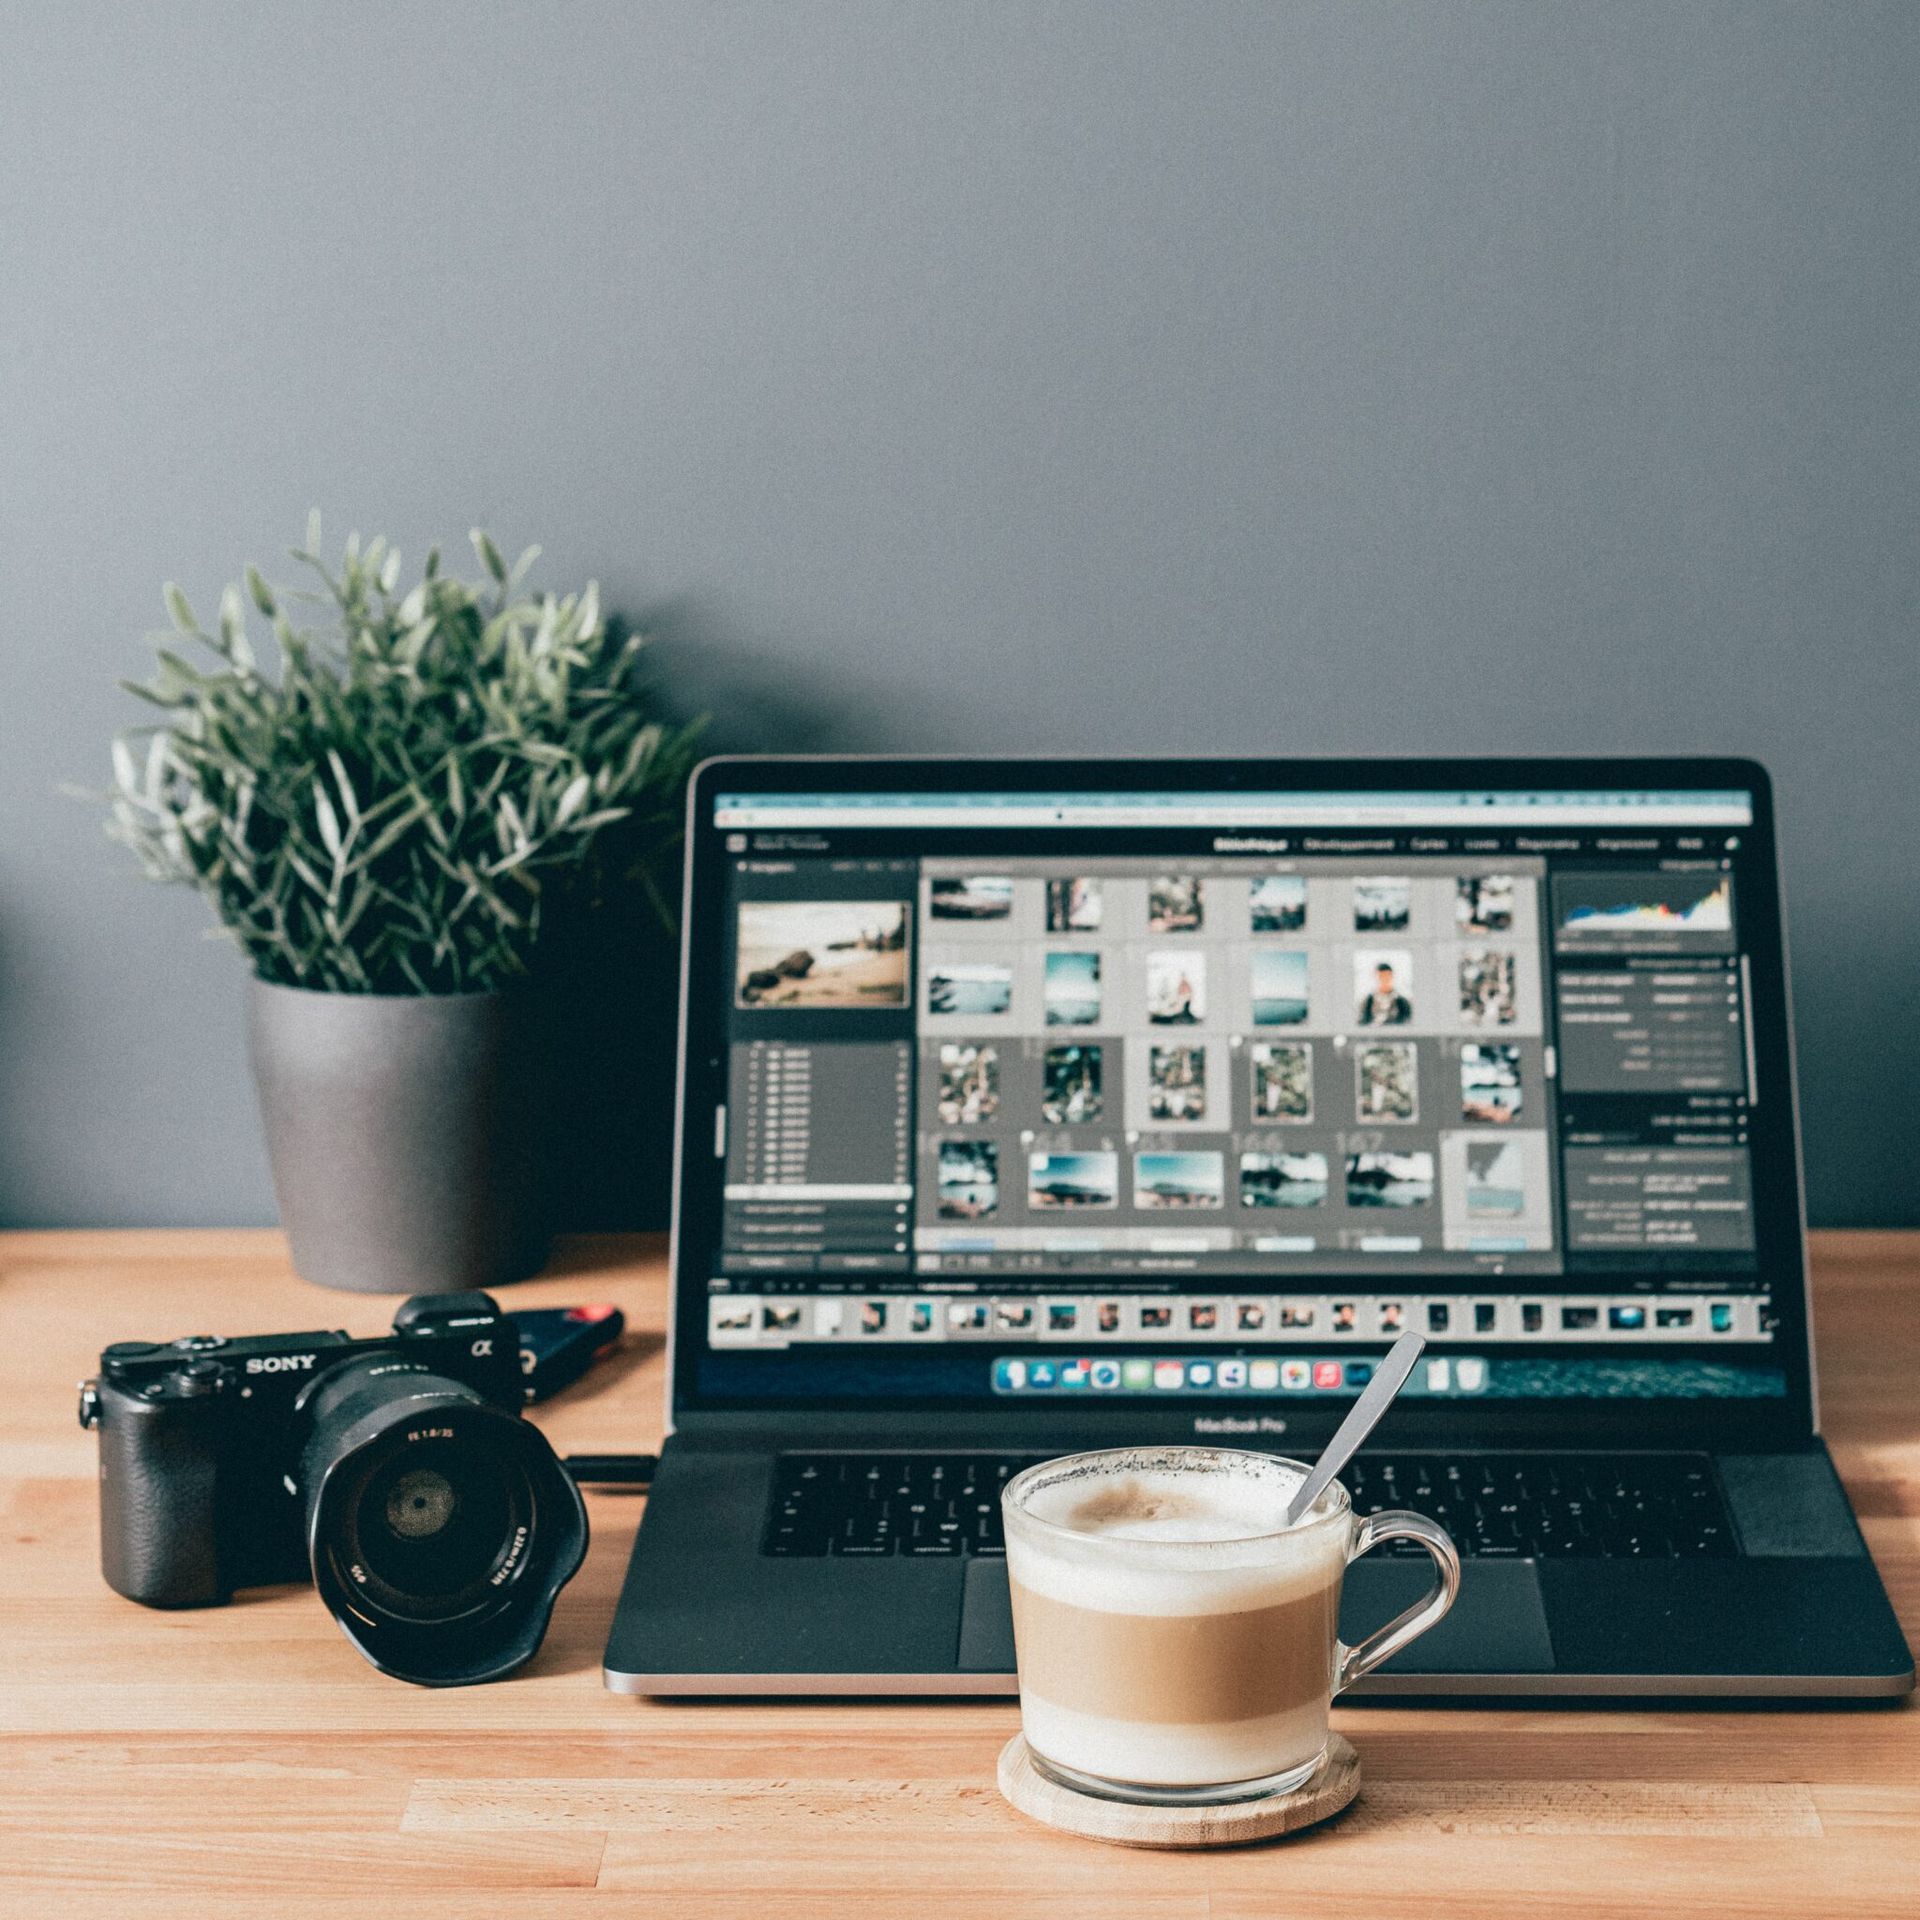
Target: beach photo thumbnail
1073	1179
1279	987
971	989
969	1083
1283	1179
1489	1082
974	896
1389	1179
1072	996
821	953
1074	906
1179	1180
1174	904
969	1179
1277	903
1177	988
1496	1184
1070	1086
1176	1083
1282	1079
1382	903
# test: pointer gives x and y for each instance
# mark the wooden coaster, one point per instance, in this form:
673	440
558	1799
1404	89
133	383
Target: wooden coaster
1333	1784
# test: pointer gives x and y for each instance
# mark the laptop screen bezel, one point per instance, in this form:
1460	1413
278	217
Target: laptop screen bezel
698	1175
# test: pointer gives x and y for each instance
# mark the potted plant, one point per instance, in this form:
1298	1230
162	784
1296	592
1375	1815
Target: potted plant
385	822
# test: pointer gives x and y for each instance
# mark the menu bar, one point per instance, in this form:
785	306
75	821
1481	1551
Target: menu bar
1459	808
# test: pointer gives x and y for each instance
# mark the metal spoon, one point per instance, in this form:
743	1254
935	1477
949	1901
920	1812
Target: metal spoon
1375	1397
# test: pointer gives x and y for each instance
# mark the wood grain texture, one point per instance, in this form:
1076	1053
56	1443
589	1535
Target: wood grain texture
245	1760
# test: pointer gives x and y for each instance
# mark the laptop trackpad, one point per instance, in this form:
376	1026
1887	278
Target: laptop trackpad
1496	1626
986	1619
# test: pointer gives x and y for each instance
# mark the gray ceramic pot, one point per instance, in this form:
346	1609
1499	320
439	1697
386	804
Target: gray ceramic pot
403	1134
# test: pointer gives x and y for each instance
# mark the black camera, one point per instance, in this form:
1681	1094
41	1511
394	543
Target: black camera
395	1473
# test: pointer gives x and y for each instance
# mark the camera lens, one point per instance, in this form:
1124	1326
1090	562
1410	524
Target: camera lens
432	1532
420	1503
441	1528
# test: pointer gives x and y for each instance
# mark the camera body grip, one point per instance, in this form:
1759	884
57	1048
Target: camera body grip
159	1471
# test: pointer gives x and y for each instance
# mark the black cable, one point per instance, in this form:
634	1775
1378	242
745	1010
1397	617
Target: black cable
611	1469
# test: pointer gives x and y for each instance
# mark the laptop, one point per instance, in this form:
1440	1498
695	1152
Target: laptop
1030	1106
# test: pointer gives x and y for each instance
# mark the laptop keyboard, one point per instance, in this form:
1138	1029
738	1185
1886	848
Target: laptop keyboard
1535	1506
1495	1505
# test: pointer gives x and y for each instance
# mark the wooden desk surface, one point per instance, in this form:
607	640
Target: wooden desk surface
245	1759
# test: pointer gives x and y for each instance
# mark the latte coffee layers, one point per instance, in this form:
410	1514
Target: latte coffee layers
1171	1636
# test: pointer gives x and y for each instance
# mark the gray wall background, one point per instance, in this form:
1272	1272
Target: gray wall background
1099	376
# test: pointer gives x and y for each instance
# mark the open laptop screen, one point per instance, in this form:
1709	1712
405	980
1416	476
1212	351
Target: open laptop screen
1025	1095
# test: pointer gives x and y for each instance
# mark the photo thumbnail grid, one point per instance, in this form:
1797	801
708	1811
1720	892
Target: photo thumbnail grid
1230	1043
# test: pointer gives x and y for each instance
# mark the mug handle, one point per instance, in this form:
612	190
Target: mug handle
1354	1663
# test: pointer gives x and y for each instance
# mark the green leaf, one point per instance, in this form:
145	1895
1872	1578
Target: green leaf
175	675
329	825
306	872
233	629
489	554
573	798
389	834
154	694
513	829
260	592
347	797
177	609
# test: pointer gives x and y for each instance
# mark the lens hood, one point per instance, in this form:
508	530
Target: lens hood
440	1528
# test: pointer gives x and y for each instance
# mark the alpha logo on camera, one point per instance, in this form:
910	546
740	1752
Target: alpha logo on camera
281	1363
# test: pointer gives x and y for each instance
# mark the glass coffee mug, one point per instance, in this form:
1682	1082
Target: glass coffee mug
1177	1642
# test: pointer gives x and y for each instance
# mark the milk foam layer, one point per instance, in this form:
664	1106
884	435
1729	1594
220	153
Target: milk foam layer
1179	1542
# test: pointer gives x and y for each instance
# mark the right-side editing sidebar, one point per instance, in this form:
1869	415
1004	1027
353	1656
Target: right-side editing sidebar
1654	1075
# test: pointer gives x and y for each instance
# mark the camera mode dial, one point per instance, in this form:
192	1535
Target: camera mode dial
195	1381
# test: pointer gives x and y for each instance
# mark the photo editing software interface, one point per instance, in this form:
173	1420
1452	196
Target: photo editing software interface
1040	1094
